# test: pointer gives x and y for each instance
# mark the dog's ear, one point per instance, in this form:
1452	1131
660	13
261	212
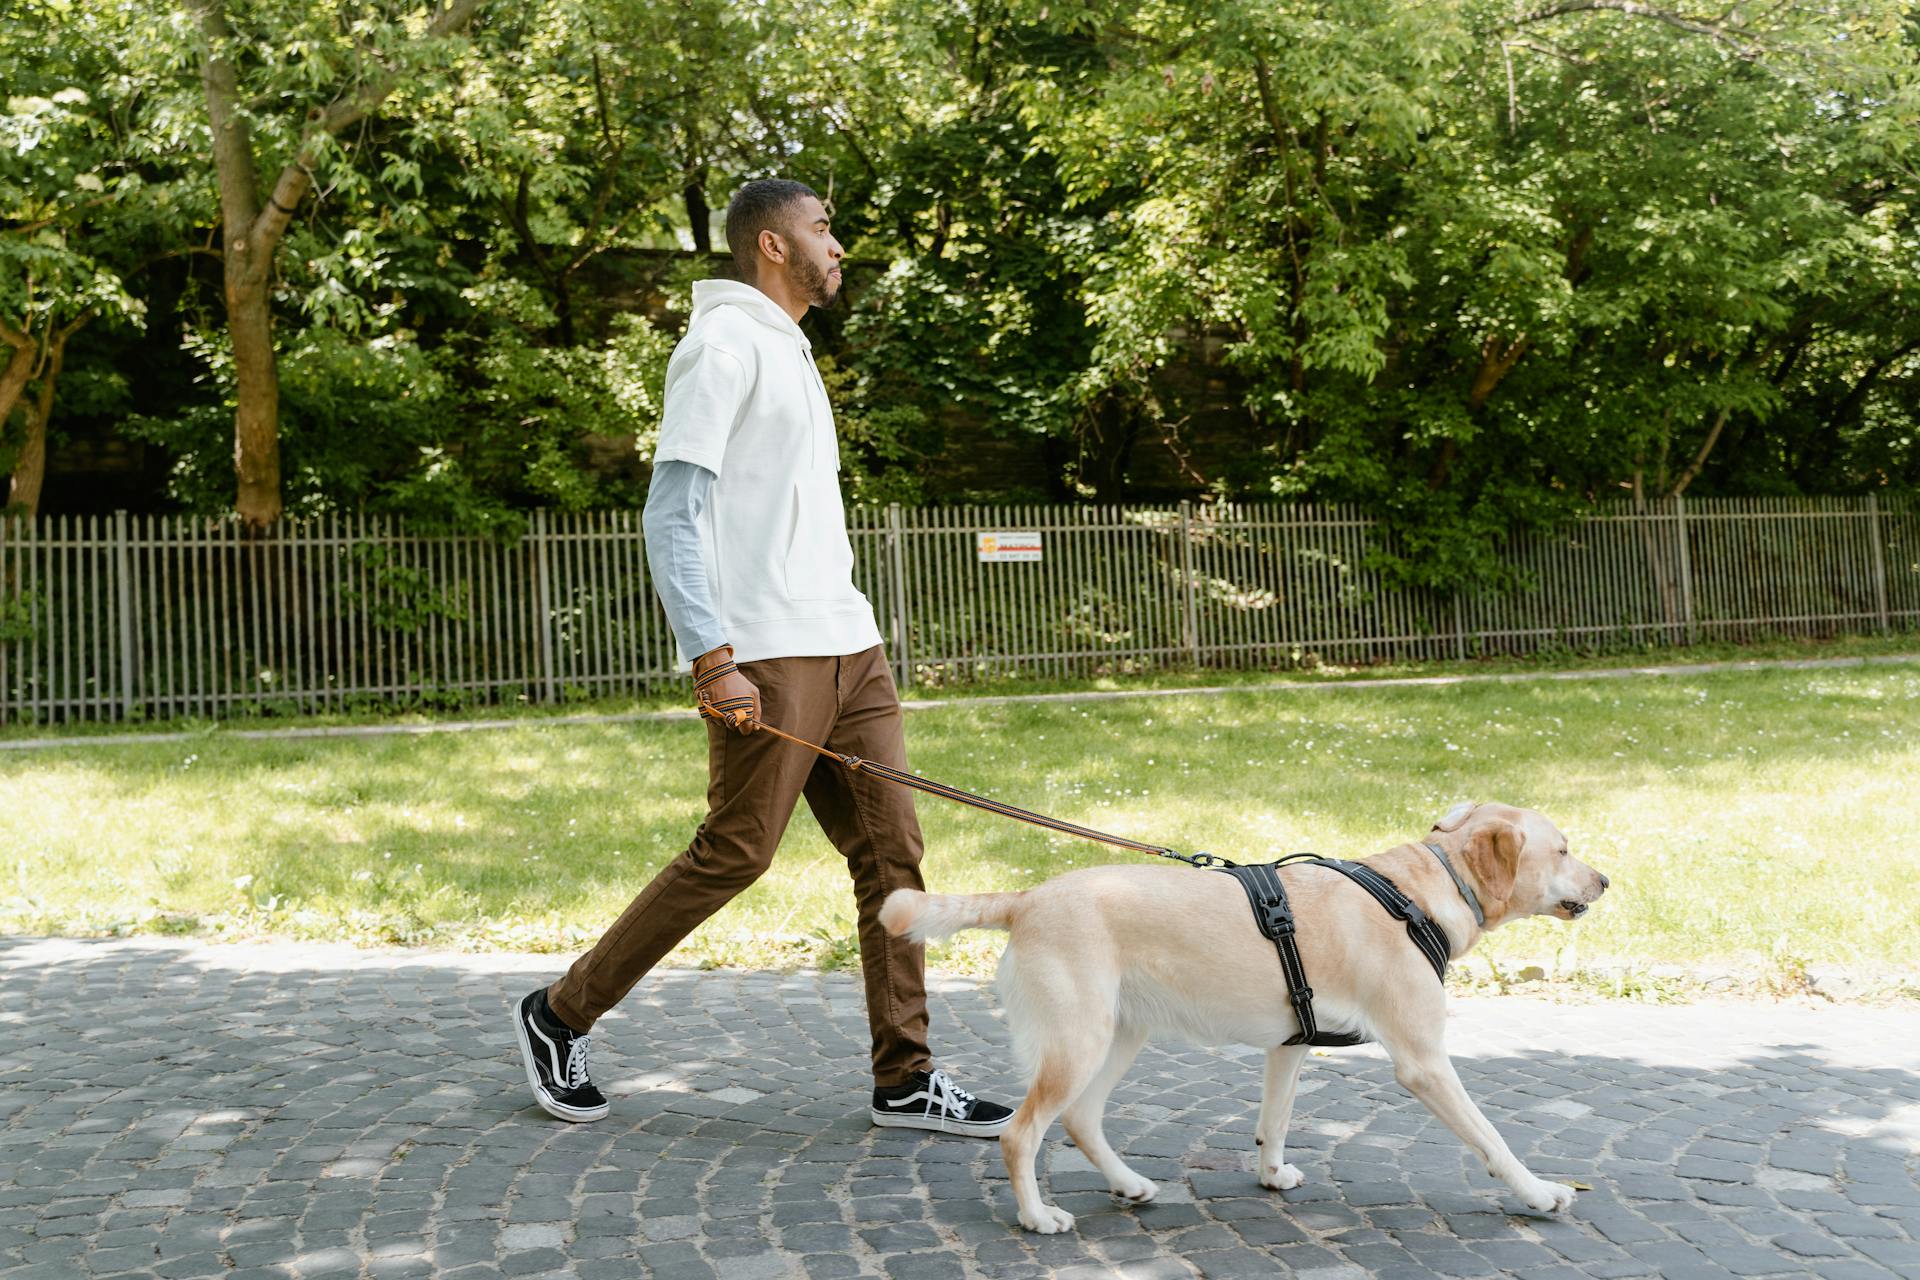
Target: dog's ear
1493	856
1455	816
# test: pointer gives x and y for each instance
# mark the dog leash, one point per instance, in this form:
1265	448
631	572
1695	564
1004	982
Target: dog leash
743	708
1272	913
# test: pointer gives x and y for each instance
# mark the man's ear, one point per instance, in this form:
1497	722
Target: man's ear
1455	816
1493	856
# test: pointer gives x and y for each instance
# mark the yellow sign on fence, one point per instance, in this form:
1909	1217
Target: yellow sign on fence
1008	546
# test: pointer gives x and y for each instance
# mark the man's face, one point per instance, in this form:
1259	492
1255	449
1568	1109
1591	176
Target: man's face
813	255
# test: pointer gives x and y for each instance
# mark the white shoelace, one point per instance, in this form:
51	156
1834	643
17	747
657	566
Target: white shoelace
948	1096
577	1062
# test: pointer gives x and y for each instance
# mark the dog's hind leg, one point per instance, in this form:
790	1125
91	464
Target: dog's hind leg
1082	1118
1064	1027
1276	1113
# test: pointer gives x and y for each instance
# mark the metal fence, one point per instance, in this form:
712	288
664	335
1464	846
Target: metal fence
132	616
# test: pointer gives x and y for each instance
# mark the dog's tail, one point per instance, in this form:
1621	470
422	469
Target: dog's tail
923	916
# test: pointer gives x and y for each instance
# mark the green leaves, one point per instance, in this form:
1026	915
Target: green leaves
1473	271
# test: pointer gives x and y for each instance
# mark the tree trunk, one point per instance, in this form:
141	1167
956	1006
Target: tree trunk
18	372
30	468
248	248
1662	565
256	419
1106	446
700	216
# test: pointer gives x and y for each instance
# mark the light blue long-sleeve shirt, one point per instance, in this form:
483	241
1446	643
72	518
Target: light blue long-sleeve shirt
676	556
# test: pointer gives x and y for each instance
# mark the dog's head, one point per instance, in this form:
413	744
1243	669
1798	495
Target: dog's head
1518	862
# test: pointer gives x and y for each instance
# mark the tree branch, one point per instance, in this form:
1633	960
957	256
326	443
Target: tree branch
1716	28
1850	403
1495	363
296	179
1700	458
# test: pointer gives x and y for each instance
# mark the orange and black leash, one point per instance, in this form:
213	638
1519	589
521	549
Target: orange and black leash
728	711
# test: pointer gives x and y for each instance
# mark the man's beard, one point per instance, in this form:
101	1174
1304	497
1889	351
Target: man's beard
813	282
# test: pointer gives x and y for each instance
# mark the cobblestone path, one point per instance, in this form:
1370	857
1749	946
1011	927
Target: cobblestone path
181	1110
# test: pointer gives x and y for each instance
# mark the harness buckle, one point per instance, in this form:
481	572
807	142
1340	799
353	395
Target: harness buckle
1277	920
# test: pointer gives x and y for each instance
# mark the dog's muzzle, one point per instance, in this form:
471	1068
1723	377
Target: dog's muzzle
1575	908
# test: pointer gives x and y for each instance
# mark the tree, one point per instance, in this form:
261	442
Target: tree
1480	271
290	85
579	121
84	209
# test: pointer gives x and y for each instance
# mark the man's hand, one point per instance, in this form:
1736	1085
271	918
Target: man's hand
723	693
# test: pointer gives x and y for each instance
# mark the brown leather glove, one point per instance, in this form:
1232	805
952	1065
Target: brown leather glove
723	693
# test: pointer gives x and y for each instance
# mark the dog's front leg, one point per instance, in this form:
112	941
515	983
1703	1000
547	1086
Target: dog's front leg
1428	1074
1276	1113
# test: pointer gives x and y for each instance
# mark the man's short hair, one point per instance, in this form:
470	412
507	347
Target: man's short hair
762	205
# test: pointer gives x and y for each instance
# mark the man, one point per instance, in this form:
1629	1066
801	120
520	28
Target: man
747	541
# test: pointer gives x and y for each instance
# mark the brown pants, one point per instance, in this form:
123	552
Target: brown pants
753	781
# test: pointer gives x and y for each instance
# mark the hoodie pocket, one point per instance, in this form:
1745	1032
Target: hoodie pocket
819	555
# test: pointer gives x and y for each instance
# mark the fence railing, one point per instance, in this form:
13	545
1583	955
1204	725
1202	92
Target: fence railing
129	616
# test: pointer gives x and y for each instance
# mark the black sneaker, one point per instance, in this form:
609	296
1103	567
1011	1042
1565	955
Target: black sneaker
931	1100
556	1058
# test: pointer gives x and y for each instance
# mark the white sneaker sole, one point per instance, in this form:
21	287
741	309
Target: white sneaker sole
935	1124
548	1103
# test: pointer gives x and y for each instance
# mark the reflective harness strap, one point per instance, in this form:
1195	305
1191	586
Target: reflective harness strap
1274	916
1422	928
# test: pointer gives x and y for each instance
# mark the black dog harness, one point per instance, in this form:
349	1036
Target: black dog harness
1274	916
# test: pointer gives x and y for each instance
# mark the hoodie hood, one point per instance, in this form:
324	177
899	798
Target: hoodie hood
710	294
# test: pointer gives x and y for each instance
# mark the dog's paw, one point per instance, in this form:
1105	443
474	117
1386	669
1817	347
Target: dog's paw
1547	1197
1281	1177
1047	1220
1131	1186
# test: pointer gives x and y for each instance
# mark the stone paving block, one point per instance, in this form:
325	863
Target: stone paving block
1807	1244
1899	1255
1854	1269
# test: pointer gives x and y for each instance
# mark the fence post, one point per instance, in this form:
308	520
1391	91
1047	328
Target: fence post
897	569
543	599
6	597
1686	568
1879	562
123	590
1191	608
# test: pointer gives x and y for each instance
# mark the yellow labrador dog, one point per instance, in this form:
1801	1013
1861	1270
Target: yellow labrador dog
1101	959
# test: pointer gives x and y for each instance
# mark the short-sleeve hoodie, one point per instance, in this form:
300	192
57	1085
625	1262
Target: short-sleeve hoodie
745	401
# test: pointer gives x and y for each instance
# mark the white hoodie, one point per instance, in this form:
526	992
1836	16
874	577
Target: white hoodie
745	401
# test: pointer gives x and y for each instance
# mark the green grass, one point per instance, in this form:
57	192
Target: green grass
1761	821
